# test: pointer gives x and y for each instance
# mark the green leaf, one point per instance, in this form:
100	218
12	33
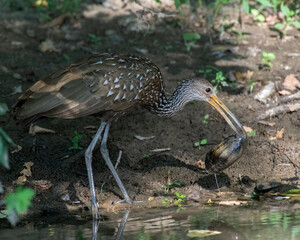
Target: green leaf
264	53
279	25
203	142
190	36
246	6
254	12
284	9
3	108
296	24
260	18
197	144
265	3
20	200
264	60
5	137
177	3
271	56
252	133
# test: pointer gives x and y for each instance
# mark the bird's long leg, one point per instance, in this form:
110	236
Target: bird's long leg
88	162
105	155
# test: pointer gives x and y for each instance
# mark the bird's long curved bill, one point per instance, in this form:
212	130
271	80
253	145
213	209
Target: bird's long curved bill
227	115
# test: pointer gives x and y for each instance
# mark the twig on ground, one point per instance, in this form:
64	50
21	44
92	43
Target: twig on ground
279	109
289	98
160	150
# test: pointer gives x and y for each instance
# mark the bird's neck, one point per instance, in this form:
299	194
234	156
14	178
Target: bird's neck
167	107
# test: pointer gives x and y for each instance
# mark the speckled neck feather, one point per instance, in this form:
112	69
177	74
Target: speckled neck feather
168	107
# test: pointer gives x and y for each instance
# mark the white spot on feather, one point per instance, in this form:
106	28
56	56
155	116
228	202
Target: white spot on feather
117	85
99	62
116	80
117	97
106	82
110	93
131	87
124	87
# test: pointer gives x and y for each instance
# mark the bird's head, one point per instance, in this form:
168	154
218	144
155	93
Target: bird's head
201	90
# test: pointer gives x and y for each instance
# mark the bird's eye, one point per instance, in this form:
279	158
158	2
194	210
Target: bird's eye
208	90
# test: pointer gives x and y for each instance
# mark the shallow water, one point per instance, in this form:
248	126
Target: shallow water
167	223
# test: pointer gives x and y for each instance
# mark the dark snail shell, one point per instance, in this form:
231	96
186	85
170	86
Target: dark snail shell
225	154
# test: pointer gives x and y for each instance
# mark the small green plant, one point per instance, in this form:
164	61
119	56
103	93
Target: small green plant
166	202
251	133
201	143
206	117
206	72
94	39
146	155
172	184
75	141
168	47
190	40
289	18
180	198
66	57
252	84
219	81
179	201
268	58
17	203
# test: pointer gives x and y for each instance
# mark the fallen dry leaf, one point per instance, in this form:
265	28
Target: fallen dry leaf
34	129
16	90
271	124
279	134
20	180
55	22
247	129
284	92
245	75
291	82
17	149
239	76
249	74
150	199
48	46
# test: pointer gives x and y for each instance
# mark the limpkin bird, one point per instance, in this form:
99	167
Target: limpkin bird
109	84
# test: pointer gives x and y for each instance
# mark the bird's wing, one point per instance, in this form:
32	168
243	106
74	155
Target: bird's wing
104	82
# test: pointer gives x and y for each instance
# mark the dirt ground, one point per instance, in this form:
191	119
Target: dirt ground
31	49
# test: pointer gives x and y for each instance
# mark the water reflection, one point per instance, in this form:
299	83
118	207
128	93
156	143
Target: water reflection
233	223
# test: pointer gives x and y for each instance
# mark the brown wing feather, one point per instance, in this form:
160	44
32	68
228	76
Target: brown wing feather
106	82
